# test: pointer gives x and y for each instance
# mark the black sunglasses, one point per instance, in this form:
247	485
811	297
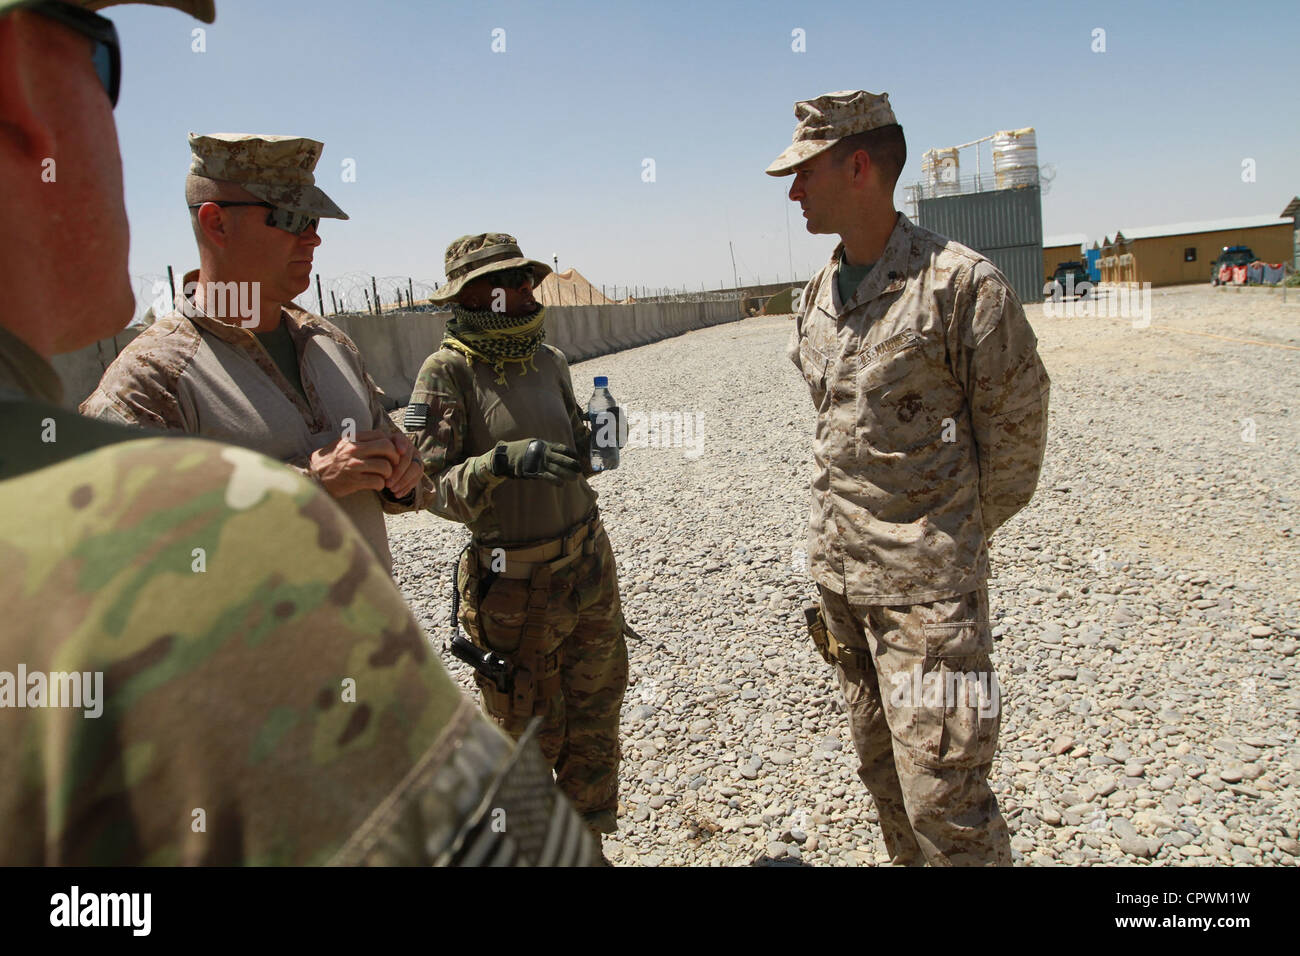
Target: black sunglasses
511	278
106	54
286	219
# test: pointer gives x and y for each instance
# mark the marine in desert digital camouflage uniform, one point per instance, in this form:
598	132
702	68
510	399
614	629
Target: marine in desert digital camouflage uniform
239	362
267	697
495	419
931	424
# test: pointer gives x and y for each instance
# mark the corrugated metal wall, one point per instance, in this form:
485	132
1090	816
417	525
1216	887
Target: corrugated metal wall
1006	225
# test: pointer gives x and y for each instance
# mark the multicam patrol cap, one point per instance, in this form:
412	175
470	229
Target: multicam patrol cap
472	256
199	9
275	169
829	118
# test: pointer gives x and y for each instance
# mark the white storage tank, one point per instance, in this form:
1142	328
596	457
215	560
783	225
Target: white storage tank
1015	158
941	172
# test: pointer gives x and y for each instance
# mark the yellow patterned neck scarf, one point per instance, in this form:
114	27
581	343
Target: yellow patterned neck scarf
495	338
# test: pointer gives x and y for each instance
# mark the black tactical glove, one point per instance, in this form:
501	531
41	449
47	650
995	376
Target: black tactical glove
534	458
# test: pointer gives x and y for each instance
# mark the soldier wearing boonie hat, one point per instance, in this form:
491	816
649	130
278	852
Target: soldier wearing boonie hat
506	446
471	257
932	406
240	362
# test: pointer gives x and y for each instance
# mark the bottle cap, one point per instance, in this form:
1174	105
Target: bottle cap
602	381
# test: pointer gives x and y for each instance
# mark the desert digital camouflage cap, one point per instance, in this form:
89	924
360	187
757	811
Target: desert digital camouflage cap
200	9
277	169
472	256
826	120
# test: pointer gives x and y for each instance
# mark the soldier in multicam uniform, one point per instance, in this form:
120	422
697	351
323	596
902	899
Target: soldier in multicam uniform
932	420
240	363
495	419
267	696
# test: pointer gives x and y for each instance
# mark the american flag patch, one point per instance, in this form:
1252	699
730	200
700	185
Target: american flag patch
417	416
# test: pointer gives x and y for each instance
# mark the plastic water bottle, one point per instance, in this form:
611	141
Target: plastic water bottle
606	422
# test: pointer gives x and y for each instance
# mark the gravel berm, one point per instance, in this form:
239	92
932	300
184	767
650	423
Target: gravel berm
1146	603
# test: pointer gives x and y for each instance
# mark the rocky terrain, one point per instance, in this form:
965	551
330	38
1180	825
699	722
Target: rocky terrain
1147	602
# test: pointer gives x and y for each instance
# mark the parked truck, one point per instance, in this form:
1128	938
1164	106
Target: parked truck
1231	256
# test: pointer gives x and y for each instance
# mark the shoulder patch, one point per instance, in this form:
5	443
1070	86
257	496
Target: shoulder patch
417	416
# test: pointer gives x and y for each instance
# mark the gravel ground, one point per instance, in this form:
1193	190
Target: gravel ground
1147	602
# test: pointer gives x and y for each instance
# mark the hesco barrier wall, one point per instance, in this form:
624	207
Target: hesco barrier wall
395	345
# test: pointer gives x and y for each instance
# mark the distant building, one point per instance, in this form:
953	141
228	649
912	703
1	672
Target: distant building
1185	252
1116	261
1290	212
1058	249
1092	256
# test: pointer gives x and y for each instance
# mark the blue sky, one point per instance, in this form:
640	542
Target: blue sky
547	139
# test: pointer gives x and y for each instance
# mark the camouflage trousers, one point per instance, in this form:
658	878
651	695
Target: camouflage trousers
561	630
924	710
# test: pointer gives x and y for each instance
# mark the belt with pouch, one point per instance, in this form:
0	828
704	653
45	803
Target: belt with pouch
558	553
831	650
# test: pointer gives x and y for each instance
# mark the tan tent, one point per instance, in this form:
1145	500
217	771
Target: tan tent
569	288
780	304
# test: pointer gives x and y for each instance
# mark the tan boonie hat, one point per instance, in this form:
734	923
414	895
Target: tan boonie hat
472	256
199	9
277	169
826	120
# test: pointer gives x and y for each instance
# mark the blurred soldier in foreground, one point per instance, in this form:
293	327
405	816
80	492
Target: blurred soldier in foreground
201	661
241	363
932	419
500	433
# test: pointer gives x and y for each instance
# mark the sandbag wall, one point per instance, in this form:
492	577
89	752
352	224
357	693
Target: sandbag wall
395	345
